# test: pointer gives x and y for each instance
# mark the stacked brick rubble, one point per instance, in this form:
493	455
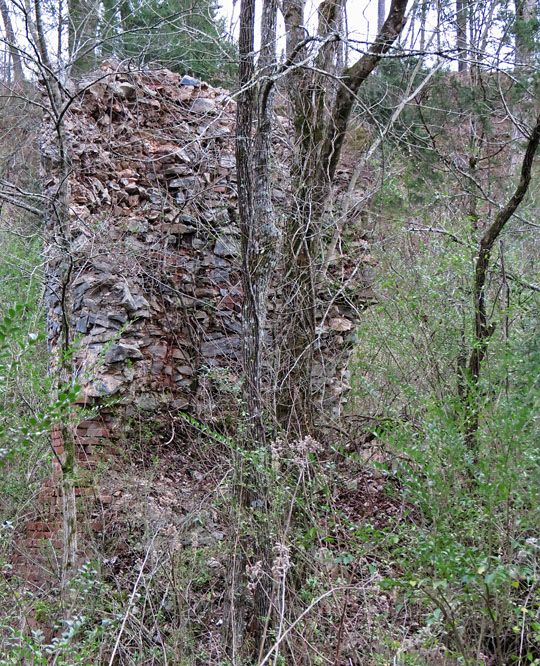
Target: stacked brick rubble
156	290
155	287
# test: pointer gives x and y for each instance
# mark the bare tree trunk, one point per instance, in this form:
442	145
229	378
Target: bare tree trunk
259	251
483	329
461	30
381	14
439	11
18	73
423	18
257	218
312	180
321	116
59	221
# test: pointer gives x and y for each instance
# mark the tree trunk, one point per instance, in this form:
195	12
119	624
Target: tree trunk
58	215
483	329
259	251
423	19
381	14
319	136
60	220
18	73
461	30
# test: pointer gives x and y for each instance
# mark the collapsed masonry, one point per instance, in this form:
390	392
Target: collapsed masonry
155	283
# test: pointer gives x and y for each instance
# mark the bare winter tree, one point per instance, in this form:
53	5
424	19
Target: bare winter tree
321	112
34	54
483	328
82	23
461	34
381	14
322	94
62	265
259	254
16	60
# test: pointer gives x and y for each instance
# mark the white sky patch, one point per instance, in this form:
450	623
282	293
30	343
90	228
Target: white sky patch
361	19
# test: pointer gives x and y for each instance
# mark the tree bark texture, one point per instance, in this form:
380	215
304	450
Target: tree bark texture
18	73
59	224
321	115
381	14
461	34
259	236
483	329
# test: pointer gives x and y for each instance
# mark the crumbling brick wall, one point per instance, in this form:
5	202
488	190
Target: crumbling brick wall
156	289
155	286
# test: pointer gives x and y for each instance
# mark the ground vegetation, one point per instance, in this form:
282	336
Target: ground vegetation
364	490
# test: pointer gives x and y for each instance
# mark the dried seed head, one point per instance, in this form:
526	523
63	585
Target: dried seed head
282	560
254	573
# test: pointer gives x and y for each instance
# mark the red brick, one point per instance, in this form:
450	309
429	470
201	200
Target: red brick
98	431
39	526
88	463
90	440
106	499
34	543
84	492
42	535
87	424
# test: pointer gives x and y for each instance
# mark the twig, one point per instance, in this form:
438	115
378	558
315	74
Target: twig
21	204
130	601
298	619
460	241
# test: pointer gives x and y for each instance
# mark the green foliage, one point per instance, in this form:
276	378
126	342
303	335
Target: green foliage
80	638
465	562
24	386
471	553
188	38
18	374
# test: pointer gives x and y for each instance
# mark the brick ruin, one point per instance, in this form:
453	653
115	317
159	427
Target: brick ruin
155	287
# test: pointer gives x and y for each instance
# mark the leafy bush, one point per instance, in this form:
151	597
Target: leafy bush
465	564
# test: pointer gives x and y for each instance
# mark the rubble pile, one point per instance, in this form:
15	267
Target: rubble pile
153	295
156	292
156	288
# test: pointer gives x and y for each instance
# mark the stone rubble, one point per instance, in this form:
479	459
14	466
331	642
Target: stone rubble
155	292
157	289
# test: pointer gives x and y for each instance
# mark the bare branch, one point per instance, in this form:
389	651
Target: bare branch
20	204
